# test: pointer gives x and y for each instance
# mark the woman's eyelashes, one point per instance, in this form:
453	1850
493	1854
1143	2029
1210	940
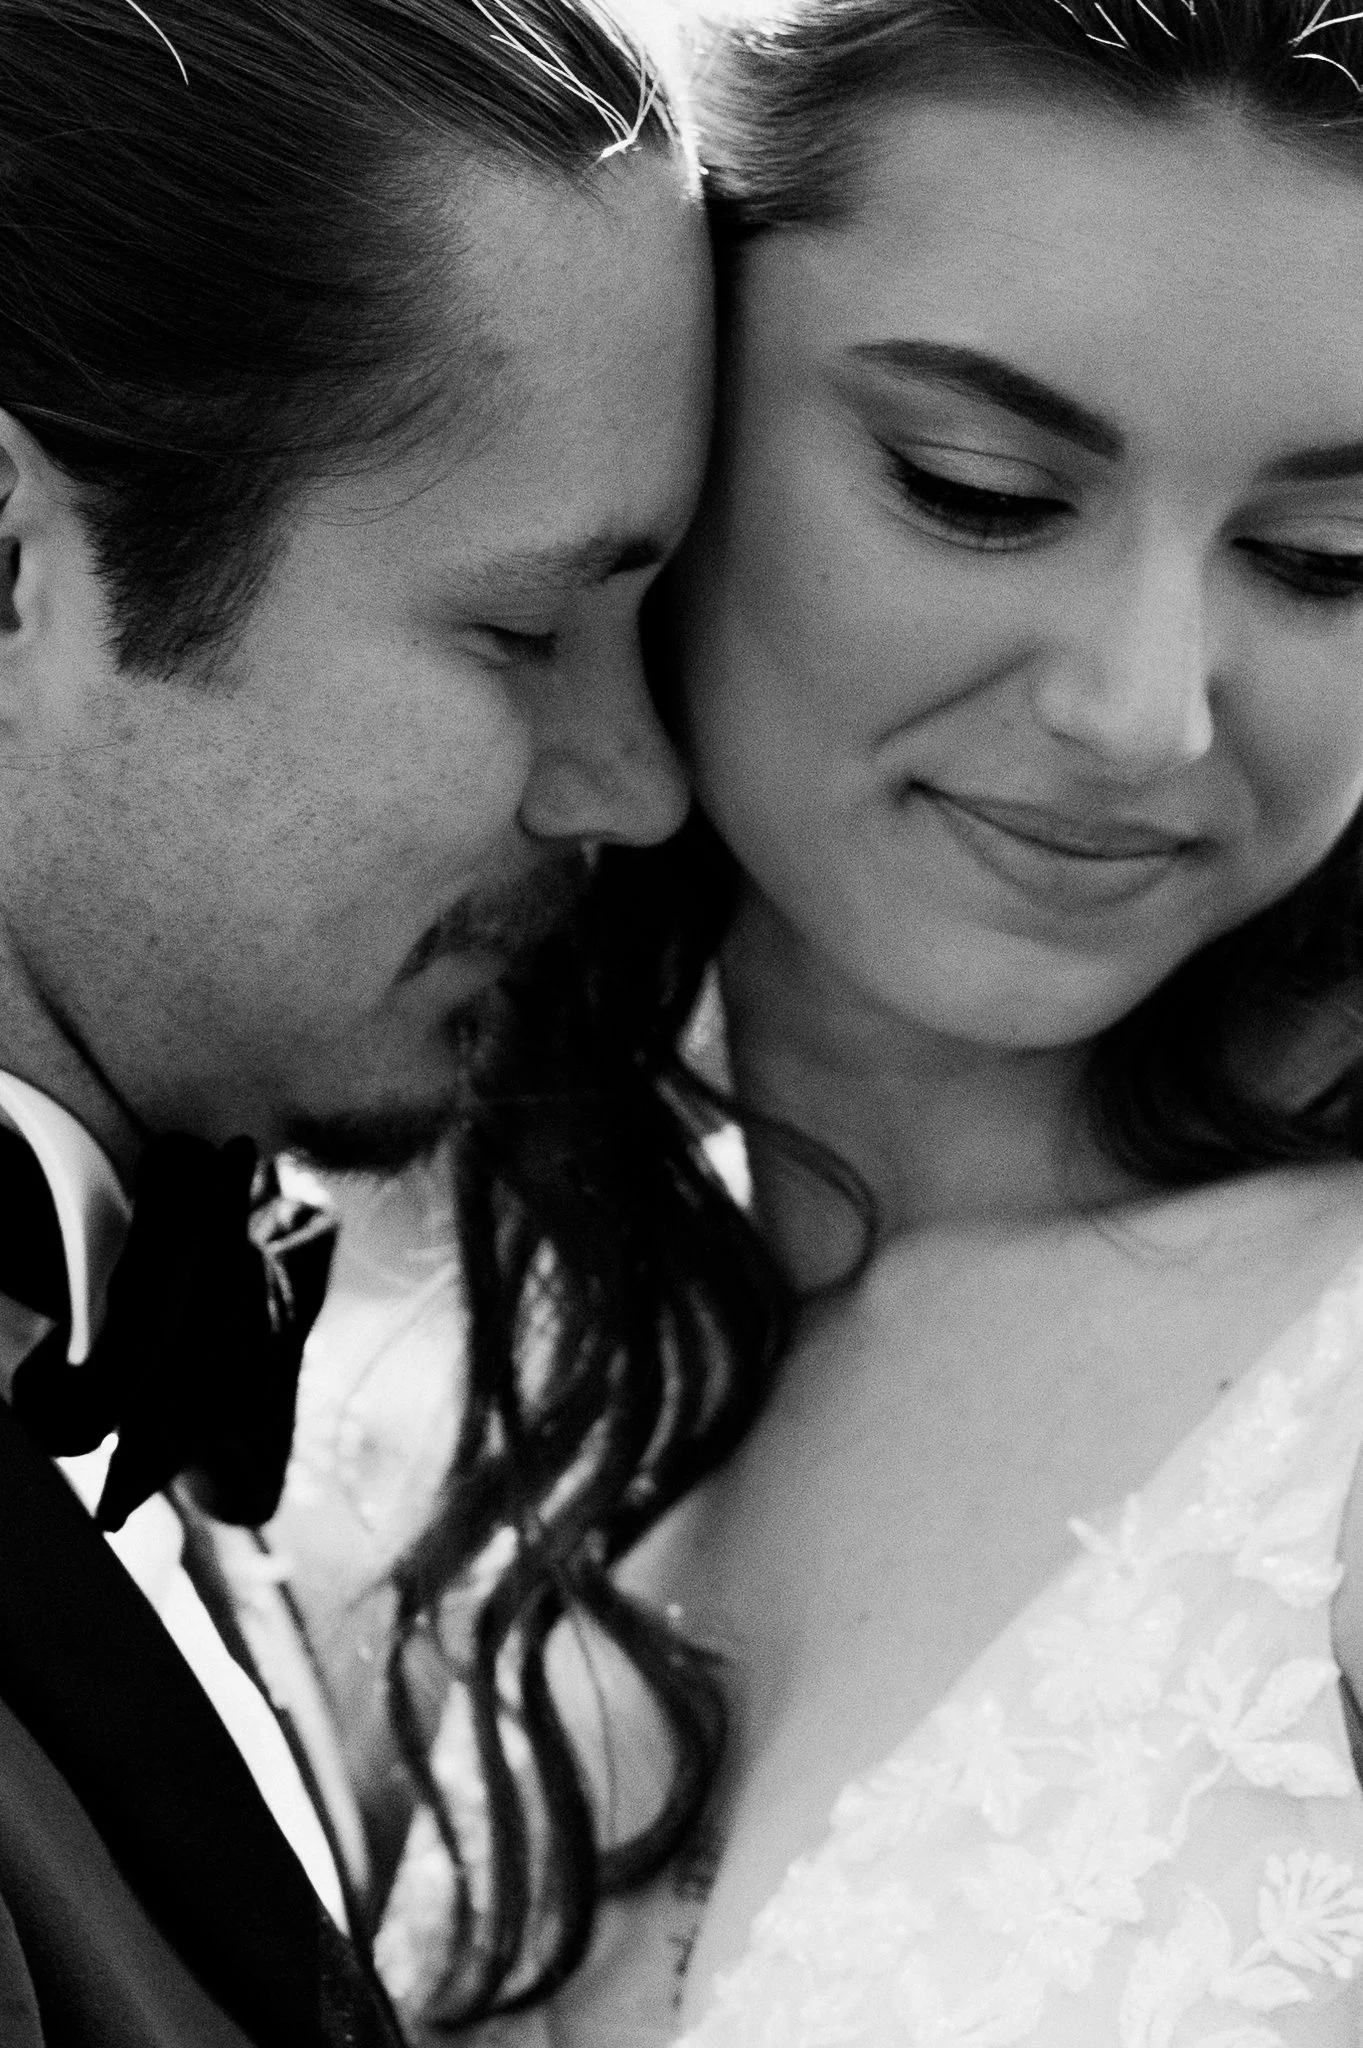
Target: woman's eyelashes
1307	572
977	510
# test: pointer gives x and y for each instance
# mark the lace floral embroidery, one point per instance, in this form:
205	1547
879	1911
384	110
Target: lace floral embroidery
1137	1823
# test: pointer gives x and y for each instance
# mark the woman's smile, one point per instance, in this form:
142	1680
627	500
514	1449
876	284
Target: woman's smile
1061	860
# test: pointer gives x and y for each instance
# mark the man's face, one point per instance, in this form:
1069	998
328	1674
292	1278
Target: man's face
275	902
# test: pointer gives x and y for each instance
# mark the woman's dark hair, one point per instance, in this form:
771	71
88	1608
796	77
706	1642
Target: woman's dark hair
585	1191
230	243
623	1320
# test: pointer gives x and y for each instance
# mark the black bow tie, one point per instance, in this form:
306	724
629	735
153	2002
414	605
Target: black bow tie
209	1307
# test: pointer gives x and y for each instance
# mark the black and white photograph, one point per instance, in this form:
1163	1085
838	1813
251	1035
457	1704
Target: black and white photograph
681	1024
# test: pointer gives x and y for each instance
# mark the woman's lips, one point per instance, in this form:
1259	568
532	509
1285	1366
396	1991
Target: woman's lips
1061	860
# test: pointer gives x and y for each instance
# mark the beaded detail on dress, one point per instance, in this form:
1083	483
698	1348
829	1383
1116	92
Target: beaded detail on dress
1135	1821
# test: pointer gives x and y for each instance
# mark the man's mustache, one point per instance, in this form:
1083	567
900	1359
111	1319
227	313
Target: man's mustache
506	922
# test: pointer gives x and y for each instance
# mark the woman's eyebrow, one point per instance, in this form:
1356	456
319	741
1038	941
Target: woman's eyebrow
1317	465
998	383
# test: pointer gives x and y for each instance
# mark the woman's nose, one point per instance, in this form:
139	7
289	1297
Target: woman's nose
603	768
1130	681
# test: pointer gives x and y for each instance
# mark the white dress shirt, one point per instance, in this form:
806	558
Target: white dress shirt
93	1213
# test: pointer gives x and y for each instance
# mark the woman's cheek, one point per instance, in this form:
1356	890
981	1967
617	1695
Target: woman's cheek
1296	729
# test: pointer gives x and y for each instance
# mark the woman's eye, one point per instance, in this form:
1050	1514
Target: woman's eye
1308	572
983	517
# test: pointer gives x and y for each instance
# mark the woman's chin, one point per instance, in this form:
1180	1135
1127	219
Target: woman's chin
1002	993
867	952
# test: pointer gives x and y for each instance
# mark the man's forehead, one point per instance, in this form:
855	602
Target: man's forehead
572	453
589	294
499	530
552	510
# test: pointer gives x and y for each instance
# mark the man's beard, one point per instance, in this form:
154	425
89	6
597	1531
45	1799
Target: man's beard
482	1031
509	922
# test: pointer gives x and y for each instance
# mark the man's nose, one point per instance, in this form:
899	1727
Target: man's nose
603	768
1129	675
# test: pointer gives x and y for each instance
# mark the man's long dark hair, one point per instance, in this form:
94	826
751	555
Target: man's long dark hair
591	1191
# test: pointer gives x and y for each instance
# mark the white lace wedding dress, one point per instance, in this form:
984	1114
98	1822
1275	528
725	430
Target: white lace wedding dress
1134	1823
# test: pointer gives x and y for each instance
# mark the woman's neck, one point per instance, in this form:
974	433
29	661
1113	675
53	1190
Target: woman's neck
938	1130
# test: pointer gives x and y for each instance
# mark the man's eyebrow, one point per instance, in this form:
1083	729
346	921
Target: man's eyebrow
1317	465
593	560
998	383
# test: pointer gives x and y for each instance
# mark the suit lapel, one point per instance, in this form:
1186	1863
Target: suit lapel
248	1601
88	1669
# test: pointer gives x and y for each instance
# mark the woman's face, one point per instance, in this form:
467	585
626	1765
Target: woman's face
1024	639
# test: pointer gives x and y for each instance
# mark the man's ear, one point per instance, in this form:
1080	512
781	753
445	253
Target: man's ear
39	534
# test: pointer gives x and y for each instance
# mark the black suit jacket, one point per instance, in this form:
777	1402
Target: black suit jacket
147	1897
